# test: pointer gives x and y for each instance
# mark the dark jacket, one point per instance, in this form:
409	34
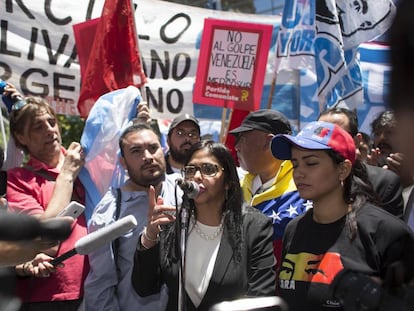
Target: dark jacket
388	187
253	276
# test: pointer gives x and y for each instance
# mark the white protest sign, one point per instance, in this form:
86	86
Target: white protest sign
232	64
38	53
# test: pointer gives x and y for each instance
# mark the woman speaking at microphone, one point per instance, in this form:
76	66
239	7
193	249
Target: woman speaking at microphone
229	246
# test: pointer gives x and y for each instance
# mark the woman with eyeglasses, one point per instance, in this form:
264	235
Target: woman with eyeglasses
229	246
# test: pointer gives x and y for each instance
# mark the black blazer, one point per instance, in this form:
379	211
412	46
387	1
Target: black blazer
388	187
253	276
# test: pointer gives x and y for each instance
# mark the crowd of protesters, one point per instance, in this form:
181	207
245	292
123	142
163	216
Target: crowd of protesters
312	218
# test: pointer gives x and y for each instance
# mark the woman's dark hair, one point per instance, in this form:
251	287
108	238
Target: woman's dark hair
20	118
357	191
232	209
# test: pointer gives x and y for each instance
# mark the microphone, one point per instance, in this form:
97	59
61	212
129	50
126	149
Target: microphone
190	188
19	227
96	239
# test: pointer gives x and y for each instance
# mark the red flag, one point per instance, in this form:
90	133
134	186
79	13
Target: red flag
114	61
84	35
237	117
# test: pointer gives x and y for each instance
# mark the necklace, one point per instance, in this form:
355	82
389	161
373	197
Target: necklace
205	236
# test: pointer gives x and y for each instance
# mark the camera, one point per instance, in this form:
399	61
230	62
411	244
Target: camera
3	84
359	292
16	101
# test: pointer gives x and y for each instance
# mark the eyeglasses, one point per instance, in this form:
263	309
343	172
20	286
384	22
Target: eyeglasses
191	135
206	169
240	139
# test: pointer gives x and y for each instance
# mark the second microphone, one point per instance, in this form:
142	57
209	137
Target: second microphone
190	188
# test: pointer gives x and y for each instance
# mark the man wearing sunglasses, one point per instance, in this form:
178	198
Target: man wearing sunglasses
268	184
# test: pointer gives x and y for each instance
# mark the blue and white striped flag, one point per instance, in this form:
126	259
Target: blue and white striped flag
109	116
320	39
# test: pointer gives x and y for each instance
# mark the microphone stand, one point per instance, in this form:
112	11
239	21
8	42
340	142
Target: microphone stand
184	221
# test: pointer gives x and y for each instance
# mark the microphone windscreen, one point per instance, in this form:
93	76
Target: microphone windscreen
96	239
55	229
190	188
18	227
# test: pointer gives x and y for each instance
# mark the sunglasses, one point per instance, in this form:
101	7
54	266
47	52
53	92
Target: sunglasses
206	169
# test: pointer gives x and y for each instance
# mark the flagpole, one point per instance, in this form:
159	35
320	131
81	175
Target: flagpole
272	89
143	94
298	95
223	122
228	125
113	46
142	87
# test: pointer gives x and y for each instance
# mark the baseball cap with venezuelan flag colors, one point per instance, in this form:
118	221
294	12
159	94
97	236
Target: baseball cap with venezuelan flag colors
316	135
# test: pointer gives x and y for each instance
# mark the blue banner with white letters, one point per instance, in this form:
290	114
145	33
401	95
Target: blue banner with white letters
320	40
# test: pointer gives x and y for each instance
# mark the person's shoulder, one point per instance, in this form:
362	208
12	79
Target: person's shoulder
171	178
21	176
255	222
380	172
375	217
170	182
19	172
379	225
250	210
170	191
370	210
253	215
306	216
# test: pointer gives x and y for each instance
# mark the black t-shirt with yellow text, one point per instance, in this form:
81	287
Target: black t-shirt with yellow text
314	253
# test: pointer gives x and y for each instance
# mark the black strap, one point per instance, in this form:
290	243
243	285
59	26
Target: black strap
115	243
42	172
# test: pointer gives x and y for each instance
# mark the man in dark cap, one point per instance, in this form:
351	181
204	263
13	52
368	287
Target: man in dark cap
268	184
184	131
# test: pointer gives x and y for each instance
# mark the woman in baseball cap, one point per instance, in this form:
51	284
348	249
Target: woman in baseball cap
344	231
